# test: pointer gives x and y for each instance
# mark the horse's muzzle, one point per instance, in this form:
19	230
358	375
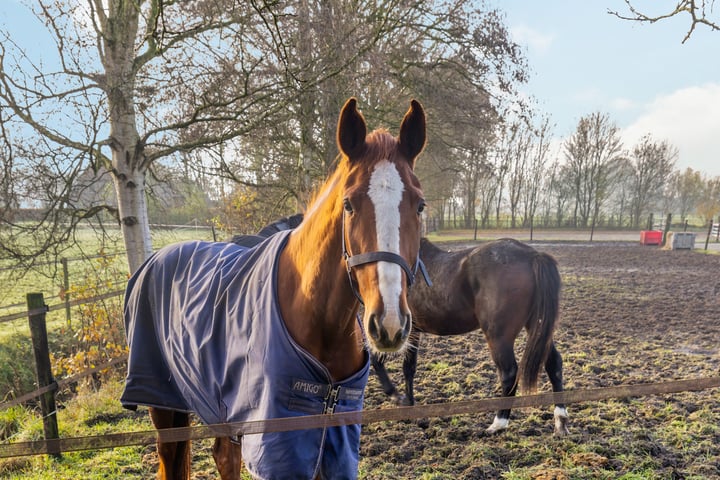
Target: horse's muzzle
380	336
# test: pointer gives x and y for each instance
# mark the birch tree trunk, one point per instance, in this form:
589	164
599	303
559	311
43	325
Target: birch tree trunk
120	28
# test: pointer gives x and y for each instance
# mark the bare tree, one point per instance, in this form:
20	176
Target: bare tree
591	154
488	190
469	79
652	163
561	192
8	200
619	201
536	171
136	82
688	187
503	165
445	53
139	82
520	152
709	205
700	13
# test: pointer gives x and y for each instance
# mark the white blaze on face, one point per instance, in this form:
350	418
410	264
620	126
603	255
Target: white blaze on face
385	191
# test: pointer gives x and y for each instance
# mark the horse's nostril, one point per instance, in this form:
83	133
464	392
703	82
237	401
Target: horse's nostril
404	332
373	327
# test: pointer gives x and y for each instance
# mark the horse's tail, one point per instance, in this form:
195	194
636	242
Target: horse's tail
542	319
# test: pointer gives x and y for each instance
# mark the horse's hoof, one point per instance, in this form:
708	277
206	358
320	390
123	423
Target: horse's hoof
561	428
498	425
561	422
402	400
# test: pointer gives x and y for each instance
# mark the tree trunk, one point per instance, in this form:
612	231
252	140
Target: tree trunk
128	153
306	115
134	222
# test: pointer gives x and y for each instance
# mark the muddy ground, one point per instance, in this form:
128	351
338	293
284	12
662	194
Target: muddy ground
629	314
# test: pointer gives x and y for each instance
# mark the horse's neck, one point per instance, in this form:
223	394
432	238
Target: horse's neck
447	268
316	301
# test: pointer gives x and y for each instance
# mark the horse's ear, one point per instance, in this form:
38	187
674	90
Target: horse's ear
351	130
412	131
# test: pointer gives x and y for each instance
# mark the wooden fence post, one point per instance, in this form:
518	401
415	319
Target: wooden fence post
532	226
38	332
707	239
668	221
66	292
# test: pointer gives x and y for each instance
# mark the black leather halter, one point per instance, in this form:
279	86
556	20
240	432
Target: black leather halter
380	256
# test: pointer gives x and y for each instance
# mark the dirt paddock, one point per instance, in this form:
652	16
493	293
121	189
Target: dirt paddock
629	314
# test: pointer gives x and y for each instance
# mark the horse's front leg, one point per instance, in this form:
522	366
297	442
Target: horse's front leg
554	368
174	456
227	453
504	357
410	367
378	363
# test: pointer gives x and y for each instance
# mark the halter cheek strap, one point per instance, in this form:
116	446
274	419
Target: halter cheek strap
372	257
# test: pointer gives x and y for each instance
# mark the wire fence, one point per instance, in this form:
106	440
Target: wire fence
71	277
34	311
62	306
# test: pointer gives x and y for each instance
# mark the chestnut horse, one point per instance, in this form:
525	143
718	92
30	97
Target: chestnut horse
499	287
199	315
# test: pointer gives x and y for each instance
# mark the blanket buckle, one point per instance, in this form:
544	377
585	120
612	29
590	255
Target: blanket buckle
331	400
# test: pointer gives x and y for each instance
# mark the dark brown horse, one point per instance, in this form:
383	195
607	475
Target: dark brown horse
499	287
193	329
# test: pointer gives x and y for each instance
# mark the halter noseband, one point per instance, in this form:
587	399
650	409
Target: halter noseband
380	256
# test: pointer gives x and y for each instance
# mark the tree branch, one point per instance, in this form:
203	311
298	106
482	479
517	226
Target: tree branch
699	15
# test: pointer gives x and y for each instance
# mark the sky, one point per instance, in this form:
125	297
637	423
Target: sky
584	60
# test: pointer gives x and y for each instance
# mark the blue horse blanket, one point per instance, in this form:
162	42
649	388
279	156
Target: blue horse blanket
206	336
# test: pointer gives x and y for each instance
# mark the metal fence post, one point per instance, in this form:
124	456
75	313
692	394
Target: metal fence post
38	332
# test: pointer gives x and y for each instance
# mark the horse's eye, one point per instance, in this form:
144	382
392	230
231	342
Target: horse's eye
346	205
421	207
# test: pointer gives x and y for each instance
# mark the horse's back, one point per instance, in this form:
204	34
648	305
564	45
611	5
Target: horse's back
501	252
473	286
